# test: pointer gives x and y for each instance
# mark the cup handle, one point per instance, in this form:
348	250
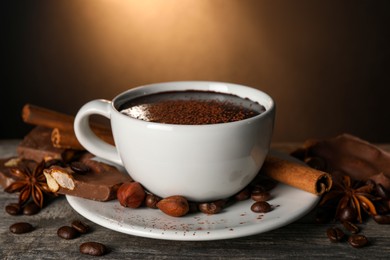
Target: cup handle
87	137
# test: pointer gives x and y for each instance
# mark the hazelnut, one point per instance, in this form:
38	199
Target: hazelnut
131	194
175	206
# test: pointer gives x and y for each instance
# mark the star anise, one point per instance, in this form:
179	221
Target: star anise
31	183
351	199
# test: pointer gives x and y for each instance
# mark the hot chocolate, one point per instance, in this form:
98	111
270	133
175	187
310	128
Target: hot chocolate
191	107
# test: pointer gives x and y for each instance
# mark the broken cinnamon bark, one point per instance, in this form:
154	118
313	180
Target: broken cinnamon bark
61	124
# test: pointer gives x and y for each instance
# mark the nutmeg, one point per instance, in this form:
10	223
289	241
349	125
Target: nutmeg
175	206
131	194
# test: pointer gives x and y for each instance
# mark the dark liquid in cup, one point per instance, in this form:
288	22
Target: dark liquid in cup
191	107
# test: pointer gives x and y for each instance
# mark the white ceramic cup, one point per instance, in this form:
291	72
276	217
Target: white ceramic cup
200	162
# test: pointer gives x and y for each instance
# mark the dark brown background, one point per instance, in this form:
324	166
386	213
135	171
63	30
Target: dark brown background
327	64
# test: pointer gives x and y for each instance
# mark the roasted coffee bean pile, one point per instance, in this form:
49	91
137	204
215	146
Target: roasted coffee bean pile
76	229
336	234
15	209
358	193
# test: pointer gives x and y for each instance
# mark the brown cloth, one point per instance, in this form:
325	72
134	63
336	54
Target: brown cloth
349	155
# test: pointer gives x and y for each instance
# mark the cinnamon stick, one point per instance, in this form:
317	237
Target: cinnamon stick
297	175
62	135
36	115
37	146
67	139
40	116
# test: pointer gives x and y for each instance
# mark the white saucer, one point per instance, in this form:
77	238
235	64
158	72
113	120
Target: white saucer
237	220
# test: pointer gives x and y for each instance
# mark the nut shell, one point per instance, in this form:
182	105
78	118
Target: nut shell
175	206
131	194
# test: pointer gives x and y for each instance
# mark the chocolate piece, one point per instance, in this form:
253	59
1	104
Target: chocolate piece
100	183
37	146
5	175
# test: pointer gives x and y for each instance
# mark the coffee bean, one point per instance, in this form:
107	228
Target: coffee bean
347	214
261	207
81	227
260	196
243	195
382	219
31	209
67	232
79	167
335	234
151	201
212	207
382	192
351	227
93	248
358	240
13	209
257	188
21	227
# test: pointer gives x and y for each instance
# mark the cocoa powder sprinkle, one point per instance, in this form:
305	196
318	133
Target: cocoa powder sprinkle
196	112
169	108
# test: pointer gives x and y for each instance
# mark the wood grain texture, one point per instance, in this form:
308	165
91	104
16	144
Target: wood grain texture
301	239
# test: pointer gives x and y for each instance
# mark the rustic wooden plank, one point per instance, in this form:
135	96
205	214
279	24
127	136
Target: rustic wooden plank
302	239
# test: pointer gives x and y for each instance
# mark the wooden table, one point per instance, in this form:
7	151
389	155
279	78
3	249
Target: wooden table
301	239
